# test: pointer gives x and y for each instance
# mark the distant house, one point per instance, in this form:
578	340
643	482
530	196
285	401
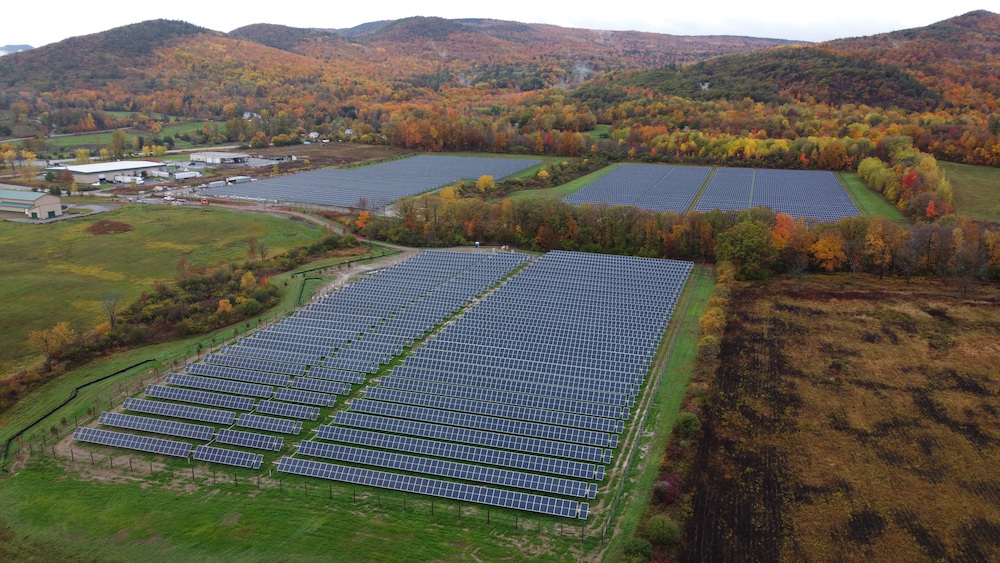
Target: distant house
90	173
219	157
37	205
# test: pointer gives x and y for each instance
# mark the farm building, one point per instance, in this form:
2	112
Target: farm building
90	173
37	205
219	157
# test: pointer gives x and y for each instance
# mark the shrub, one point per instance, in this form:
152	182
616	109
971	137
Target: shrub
709	347
688	424
638	548
668	489
662	530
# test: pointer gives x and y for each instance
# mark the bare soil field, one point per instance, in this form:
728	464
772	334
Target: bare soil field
852	419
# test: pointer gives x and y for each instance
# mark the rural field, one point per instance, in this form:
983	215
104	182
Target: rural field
59	271
977	190
852	419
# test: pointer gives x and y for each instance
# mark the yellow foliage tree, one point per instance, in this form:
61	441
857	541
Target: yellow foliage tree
828	250
485	184
51	342
363	219
248	282
225	306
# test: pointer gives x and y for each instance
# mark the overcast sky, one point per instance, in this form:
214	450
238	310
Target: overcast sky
30	24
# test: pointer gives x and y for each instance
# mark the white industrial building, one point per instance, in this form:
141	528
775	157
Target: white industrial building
219	157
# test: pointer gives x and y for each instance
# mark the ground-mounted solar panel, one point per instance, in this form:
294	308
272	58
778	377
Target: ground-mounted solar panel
272	355
174	410
255	364
441	468
477	437
305	397
249	439
488	423
432	487
239	374
157	426
321	385
493	409
132	442
270	424
336	375
200	397
222	385
475	454
235	458
288	409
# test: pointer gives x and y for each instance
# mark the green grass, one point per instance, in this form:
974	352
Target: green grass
58	272
56	515
91	140
976	190
600	131
559	192
673	383
868	202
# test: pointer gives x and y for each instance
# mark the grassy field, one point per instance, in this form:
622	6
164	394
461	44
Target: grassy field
97	140
852	419
977	190
868	202
58	271
559	192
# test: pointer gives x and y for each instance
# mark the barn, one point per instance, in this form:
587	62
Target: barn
37	205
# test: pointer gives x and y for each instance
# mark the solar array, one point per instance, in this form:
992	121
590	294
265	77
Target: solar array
523	395
445	489
816	195
808	194
647	186
132	441
235	458
155	425
510	410
380	185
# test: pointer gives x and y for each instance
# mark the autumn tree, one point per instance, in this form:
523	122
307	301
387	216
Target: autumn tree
82	156
750	248
828	250
51	342
882	241
225	306
248	282
485	184
363	219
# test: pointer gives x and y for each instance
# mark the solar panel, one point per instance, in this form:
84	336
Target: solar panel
249	439
200	397
228	457
170	427
336	375
441	468
288	409
223	385
433	487
321	385
305	397
132	442
255	364
268	423
238	374
179	411
475	454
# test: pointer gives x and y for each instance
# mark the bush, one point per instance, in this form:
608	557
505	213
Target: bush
638	548
668	489
687	424
662	530
709	347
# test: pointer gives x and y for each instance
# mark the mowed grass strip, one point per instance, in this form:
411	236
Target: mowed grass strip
976	190
561	191
868	202
58	271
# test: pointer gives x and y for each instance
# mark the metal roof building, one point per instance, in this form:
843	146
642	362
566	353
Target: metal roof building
90	173
37	205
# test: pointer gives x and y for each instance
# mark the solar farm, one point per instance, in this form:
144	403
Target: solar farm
380	184
495	378
814	195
